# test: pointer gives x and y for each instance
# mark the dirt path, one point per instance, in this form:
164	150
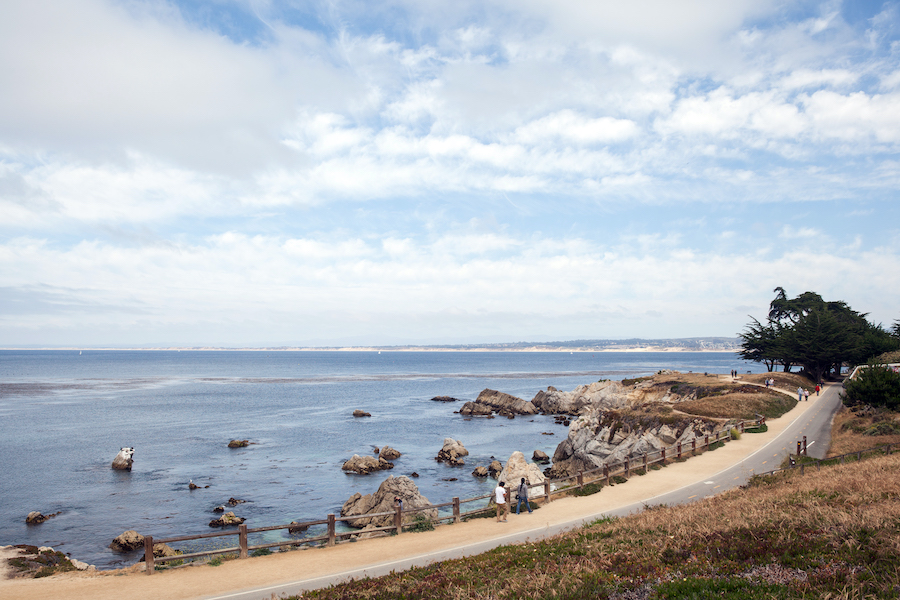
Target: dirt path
207	581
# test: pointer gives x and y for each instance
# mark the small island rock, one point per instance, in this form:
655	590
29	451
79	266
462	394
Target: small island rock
388	453
124	459
238	443
128	541
363	465
228	518
452	452
361	413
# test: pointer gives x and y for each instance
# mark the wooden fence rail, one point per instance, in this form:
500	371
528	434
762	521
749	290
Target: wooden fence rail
331	536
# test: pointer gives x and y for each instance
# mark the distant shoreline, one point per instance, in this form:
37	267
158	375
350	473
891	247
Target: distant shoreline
572	349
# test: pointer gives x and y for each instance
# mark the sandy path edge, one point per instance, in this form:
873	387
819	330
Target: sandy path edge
282	568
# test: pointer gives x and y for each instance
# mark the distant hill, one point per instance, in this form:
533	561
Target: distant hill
722	344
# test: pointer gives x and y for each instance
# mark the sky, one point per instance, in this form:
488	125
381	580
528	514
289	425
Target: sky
329	173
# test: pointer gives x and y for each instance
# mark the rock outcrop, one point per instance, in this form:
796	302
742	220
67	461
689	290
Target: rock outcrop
596	439
388	453
383	501
452	453
480	472
494	468
505	404
127	541
539	456
517	467
363	465
36	518
444	399
238	443
124	459
473	409
361	413
227	519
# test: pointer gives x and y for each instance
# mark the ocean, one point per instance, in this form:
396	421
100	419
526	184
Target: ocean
64	414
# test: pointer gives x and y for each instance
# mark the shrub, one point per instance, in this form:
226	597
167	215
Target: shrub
877	385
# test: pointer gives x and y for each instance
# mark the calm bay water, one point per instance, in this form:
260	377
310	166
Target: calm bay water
64	416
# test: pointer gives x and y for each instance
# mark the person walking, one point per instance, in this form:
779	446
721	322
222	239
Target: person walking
500	500
806	395
818	387
799	394
522	496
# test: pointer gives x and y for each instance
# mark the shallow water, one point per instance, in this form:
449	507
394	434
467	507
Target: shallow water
64	416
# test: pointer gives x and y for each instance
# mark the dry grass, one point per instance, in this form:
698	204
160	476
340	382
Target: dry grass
854	431
828	534
743	403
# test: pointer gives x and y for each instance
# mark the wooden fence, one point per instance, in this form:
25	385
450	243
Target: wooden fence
605	473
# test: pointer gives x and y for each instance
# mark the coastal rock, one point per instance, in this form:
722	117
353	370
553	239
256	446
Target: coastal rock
452	452
124	459
494	468
298	529
444	399
361	413
219	509
517	467
235	501
388	453
225	520
238	443
382	501
363	465
36	518
127	541
480	472
82	566
595	440
162	551
539	456
473	409
505	404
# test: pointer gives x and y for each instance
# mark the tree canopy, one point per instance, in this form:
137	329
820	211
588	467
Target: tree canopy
817	335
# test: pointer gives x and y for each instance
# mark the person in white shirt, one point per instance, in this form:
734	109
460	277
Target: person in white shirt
500	500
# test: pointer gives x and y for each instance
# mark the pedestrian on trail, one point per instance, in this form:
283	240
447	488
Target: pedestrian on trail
522	496
799	394
806	395
818	387
500	499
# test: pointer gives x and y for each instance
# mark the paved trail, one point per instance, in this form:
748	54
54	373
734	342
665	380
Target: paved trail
292	572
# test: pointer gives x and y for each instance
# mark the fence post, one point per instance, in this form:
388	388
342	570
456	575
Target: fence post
804	446
887	449
693	446
802	469
799	447
627	468
580	479
663	455
706	439
606	472
398	518
148	553
859	456
547	491
242	540
331	536
679	450
456	509
645	463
